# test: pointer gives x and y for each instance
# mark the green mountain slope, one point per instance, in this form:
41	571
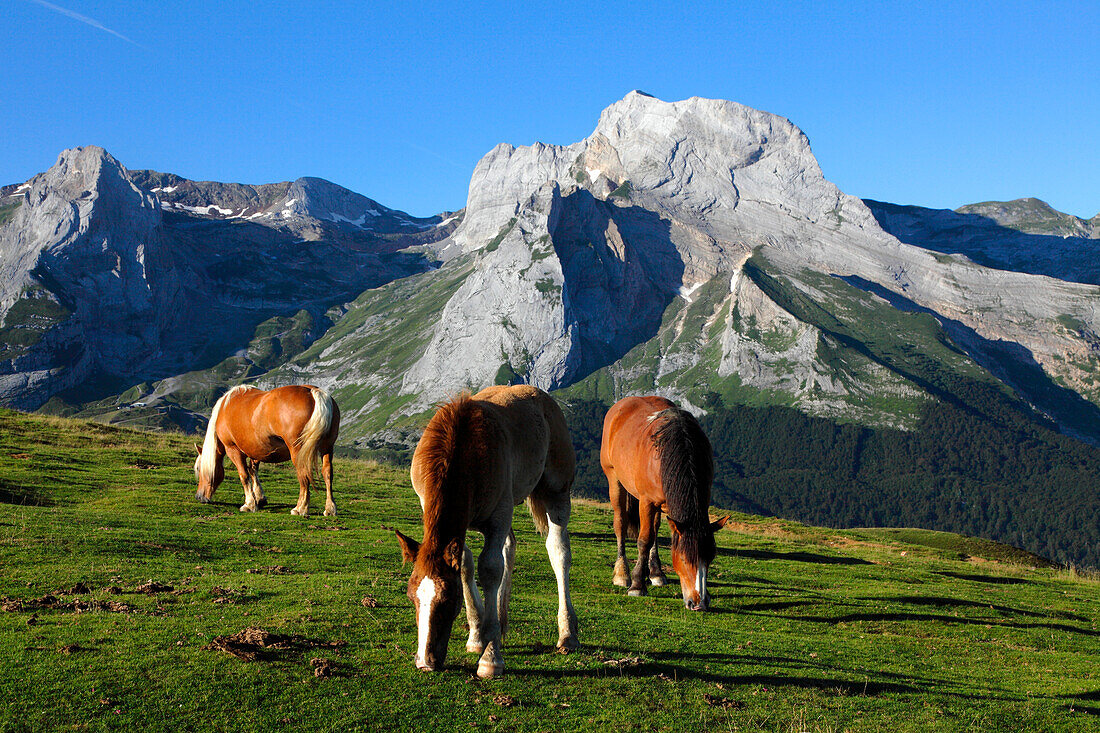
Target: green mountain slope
812	629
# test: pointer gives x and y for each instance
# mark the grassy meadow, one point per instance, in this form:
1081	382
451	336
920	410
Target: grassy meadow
115	585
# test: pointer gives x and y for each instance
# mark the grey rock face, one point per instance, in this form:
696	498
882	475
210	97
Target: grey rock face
109	276
659	200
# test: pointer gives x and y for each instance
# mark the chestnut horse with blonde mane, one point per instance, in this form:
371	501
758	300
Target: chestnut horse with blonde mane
479	457
657	459
251	426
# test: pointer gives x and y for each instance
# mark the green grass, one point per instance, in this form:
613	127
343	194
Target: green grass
7	212
812	629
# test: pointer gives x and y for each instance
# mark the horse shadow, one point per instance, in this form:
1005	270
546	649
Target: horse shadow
794	673
807	557
996	580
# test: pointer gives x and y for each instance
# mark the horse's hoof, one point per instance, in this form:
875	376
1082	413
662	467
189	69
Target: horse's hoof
488	670
568	644
248	507
261	502
636	592
330	511
474	647
299	512
621	582
658	580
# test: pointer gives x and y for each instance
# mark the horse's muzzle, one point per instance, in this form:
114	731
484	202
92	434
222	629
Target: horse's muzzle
425	667
695	605
201	498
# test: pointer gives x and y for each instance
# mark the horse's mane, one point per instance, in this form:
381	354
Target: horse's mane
440	454
204	467
687	470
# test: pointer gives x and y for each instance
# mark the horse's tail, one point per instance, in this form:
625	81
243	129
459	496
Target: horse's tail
315	429
538	513
632	523
208	457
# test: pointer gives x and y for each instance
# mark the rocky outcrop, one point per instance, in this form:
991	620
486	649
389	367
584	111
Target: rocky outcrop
654	204
111	277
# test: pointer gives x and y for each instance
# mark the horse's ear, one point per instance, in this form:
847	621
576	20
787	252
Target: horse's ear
674	527
409	547
717	525
452	555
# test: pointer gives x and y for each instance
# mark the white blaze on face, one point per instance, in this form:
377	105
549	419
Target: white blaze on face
701	582
425	595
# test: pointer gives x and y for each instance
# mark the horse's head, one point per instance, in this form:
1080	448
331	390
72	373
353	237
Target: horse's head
693	551
208	480
435	588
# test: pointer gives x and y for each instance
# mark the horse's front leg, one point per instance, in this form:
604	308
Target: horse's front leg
475	610
490	571
646	536
656	572
244	470
561	559
619	502
257	489
326	472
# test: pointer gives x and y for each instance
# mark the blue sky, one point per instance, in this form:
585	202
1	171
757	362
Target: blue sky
930	104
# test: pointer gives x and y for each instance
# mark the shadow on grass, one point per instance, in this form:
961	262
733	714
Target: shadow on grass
808	557
938	618
670	666
941	602
983	578
12	493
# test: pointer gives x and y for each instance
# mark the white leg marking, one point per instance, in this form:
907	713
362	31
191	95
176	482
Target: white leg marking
557	548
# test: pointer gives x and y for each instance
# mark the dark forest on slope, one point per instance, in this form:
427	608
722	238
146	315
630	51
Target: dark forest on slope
1014	482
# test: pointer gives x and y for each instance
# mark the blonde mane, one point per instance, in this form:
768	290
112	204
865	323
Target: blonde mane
204	466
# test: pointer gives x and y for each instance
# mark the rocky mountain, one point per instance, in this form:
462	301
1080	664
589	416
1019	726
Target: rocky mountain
696	250
944	366
1025	235
110	278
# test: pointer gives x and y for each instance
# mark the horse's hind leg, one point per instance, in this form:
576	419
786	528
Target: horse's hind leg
326	472
301	509
656	572
561	559
475	610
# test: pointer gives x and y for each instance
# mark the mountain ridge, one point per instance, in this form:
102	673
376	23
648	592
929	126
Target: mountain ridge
691	249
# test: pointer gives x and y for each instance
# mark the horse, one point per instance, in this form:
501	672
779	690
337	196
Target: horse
657	459
253	426
479	457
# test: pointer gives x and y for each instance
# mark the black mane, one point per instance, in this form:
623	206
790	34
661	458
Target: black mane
687	470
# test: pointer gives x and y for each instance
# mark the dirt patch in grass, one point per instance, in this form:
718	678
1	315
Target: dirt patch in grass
53	603
254	643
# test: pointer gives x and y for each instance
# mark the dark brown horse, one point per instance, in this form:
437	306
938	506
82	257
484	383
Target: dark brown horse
657	459
251	426
479	457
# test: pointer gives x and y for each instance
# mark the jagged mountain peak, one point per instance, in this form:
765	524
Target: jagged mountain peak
718	165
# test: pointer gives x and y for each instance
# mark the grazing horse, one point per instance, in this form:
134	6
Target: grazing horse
479	457
251	426
657	459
